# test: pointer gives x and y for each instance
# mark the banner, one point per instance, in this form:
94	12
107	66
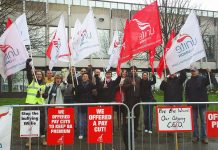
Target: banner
21	24
5	129
14	51
174	119
88	41
58	48
212	124
60	126
145	29
187	47
29	123
162	62
100	123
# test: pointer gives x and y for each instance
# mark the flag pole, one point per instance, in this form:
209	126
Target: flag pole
133	75
33	67
208	74
165	71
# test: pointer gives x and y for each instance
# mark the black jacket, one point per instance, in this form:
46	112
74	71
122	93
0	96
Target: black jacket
196	89
107	94
146	89
173	88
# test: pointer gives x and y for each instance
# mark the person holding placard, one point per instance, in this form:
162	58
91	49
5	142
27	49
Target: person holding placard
196	91
147	96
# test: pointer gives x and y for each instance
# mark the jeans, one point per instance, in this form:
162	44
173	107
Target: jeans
202	112
82	122
148	116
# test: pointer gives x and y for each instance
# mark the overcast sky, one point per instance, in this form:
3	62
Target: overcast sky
204	4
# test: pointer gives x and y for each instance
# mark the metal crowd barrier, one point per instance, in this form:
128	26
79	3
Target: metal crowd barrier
187	137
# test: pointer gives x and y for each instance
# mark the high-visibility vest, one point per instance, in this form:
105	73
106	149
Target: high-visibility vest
32	90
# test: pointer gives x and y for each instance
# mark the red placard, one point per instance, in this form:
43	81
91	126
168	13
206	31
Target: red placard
60	126
212	123
174	119
100	123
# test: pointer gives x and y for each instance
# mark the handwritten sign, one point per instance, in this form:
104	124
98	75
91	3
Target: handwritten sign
174	119
100	124
29	123
212	123
60	126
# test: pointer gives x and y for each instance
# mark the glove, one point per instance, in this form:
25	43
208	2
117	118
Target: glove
28	63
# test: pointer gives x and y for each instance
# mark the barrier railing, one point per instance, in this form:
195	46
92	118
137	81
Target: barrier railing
184	134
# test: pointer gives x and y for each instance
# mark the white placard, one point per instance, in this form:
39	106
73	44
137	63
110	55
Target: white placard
174	119
29	123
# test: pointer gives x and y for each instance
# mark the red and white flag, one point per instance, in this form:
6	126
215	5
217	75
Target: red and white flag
9	22
58	49
151	59
145	29
125	52
21	23
13	52
88	41
114	44
5	129
162	63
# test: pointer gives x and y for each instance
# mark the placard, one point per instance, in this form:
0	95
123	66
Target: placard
60	126
100	123
212	123
174	118
29	123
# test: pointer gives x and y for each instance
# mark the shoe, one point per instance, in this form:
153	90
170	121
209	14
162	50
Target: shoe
205	141
80	137
150	132
146	130
195	140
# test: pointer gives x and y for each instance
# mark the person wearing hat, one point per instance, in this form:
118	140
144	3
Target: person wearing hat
172	86
196	91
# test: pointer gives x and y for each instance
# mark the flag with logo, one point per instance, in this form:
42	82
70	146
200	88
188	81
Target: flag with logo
58	49
125	52
74	41
9	22
5	129
88	41
187	46
162	64
114	43
21	23
14	51
145	29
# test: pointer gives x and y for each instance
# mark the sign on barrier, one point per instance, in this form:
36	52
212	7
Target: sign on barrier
212	123
60	126
174	118
100	123
29	123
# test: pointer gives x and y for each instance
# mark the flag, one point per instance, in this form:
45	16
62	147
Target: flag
5	130
74	41
187	46
21	23
161	64
114	43
58	48
113	58
88	39
145	29
8	23
151	59
14	51
125	52
2	65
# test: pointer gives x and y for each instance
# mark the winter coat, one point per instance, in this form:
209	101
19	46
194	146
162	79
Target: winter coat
146	89
173	88
55	93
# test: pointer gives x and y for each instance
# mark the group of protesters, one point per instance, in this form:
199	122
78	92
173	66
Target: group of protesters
128	88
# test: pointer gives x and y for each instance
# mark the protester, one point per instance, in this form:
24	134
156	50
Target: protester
55	90
196	91
119	98
49	77
147	96
35	95
173	87
131	88
84	91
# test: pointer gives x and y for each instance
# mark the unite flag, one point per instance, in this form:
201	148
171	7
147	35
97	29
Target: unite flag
187	46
